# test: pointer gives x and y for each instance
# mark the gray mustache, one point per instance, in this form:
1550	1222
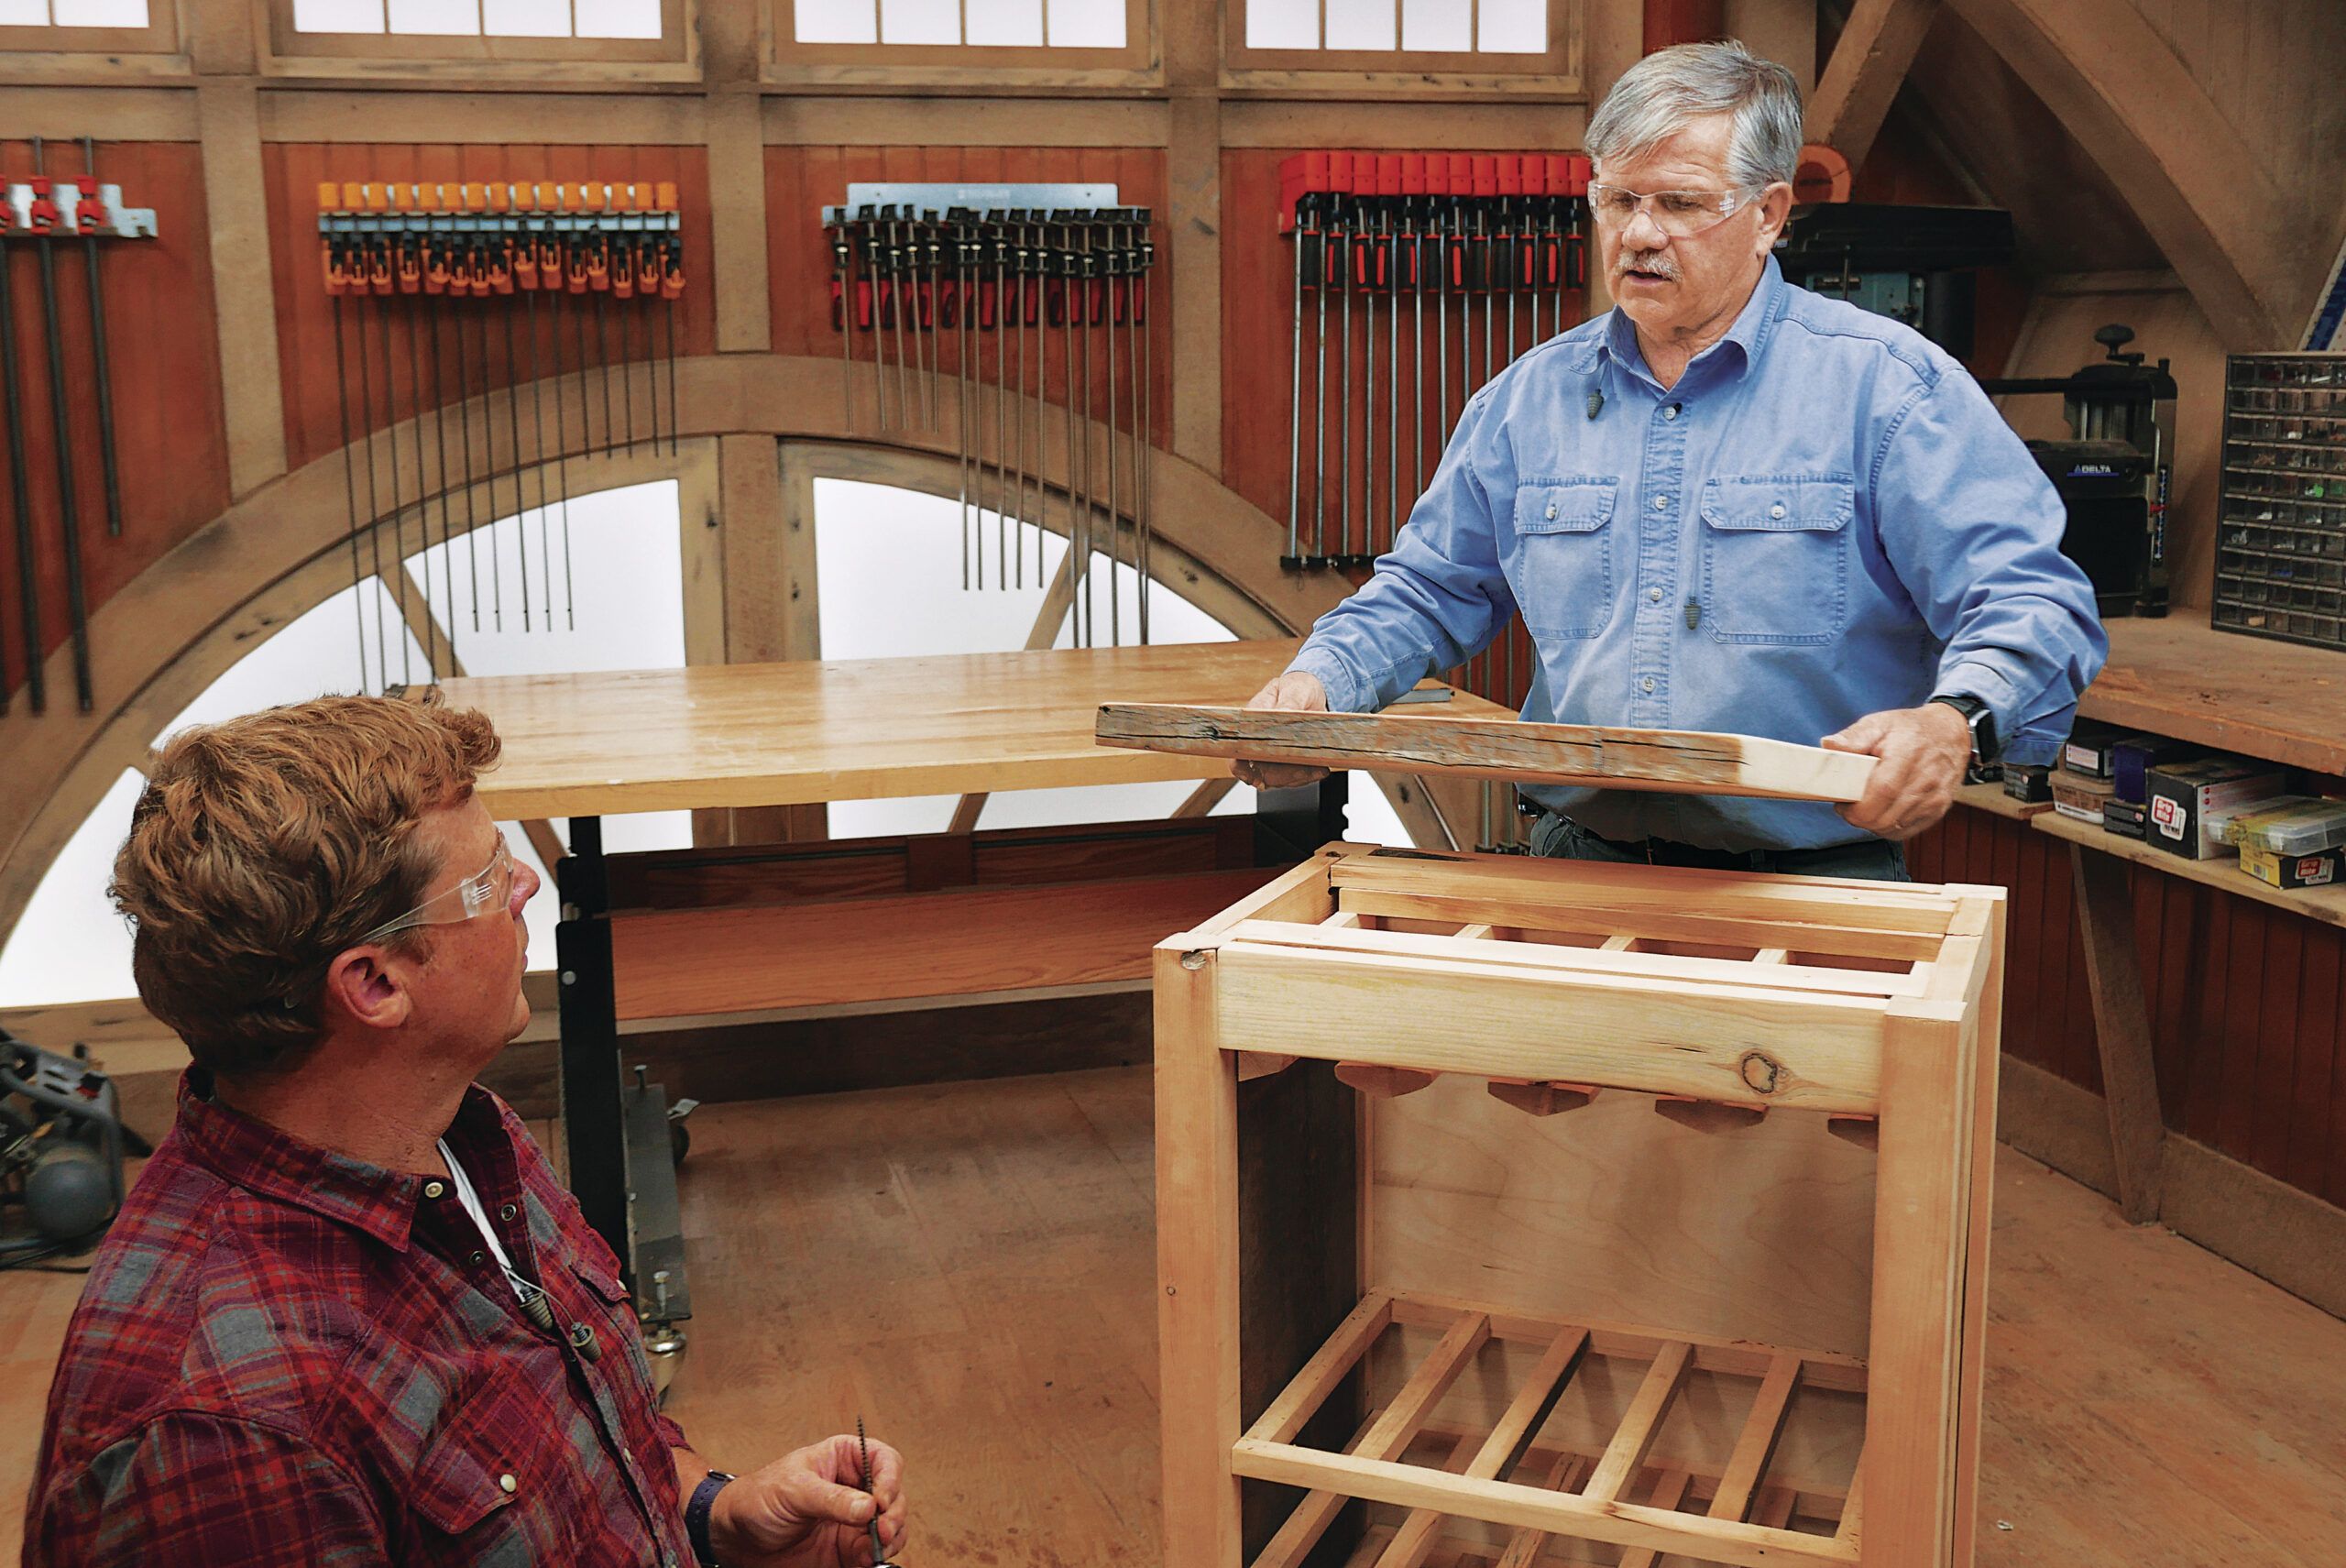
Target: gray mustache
1654	261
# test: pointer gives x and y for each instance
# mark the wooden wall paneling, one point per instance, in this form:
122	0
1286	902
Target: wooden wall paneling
2313	1121
2105	906
2334	1188
229	114
164	359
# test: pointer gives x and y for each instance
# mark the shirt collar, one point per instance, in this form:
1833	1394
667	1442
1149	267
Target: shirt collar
274	1164
1744	340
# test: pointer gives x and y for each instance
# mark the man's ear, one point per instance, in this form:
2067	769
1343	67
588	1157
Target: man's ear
368	986
1775	211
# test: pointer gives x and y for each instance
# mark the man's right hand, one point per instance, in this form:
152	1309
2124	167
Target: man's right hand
1296	691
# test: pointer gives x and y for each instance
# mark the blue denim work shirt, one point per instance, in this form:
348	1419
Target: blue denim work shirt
1825	518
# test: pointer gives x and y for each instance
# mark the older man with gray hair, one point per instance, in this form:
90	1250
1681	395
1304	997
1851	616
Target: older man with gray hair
1730	504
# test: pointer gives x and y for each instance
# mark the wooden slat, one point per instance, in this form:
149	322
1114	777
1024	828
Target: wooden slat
1591	960
1636	1342
1850	1531
1386	1436
1512	1503
1627	1453
1497	1453
1681	761
1669	1491
1526	1544
1308	1389
1413	1544
1821	1052
1761	1428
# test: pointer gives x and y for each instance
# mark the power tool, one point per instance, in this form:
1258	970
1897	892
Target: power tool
61	1147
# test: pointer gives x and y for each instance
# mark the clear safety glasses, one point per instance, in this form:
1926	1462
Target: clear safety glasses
1681	215
492	888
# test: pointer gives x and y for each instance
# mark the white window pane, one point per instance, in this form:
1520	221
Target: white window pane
337	15
525	18
836	22
24	13
1087	24
1441	26
920	21
435	17
101	13
70	946
1514	26
618	18
1282	24
1361	23
1006	22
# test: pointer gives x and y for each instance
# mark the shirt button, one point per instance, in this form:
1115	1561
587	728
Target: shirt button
434	1188
1669	412
1661	503
1777	511
1647	684
1552	512
478	1259
506	1213
507	1483
1654	593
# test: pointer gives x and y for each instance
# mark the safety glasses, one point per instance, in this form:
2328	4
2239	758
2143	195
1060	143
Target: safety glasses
1681	215
491	888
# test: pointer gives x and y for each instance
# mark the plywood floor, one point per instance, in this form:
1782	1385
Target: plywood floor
970	1266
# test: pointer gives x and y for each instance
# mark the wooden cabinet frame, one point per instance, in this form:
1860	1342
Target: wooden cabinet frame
1837	1012
41	53
675	56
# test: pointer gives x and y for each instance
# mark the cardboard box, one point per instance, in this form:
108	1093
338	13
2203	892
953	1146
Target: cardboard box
2078	796
2090	748
2026	783
2127	818
2132	757
2293	871
2190	802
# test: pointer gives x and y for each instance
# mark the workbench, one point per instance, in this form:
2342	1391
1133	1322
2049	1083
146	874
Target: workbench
2273	701
846	924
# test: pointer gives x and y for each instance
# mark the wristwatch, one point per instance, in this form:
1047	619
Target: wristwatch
704	1499
1985	748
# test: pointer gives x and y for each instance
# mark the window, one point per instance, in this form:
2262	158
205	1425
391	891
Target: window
942	41
507	37
483	19
1032	23
88	27
1478	38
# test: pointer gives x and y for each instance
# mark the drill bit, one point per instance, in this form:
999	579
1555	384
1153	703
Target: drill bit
863	1449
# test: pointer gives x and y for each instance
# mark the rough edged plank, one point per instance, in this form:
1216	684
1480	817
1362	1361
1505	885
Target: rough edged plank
1680	760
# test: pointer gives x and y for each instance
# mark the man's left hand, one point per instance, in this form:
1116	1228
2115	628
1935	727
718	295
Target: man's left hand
1924	753
807	1510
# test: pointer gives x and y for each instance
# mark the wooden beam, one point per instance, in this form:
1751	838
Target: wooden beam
1869	65
244	301
1049	618
2121	1028
2192	179
1192	35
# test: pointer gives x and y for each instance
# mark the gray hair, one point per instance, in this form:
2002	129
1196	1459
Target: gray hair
1655	98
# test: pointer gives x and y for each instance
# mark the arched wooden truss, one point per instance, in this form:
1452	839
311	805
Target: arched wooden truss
283	549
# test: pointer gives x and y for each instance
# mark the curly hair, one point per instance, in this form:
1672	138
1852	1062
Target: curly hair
264	846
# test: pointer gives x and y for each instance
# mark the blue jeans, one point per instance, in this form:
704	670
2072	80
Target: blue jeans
1877	860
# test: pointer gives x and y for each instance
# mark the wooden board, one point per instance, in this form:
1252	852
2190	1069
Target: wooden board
1681	761
789	734
2272	700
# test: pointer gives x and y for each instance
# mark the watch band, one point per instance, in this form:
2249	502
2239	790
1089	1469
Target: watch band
1979	719
697	1510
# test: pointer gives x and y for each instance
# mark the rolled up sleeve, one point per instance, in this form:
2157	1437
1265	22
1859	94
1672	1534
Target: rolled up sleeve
1973	530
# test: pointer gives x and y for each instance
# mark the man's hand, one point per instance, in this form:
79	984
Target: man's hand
807	1509
1293	692
1924	751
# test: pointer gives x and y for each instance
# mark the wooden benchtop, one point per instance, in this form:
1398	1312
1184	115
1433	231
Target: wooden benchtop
788	734
2279	702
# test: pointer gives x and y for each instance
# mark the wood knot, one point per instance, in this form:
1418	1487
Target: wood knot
1194	958
1214	731
1762	1072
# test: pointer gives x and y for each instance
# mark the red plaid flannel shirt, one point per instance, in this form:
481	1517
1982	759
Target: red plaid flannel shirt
283	1356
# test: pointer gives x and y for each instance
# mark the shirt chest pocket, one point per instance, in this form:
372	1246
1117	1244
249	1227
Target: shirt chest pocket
1562	570
490	1486
1776	557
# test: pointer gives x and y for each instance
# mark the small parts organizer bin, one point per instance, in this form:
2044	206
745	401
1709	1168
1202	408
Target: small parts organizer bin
1744	1331
2281	539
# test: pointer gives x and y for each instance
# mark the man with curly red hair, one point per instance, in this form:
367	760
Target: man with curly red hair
348	1315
